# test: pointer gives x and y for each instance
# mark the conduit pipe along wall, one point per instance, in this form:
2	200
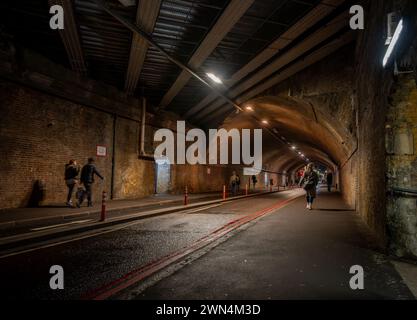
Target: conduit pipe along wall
142	128
142	152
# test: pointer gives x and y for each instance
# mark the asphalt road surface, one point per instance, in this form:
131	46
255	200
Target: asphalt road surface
290	253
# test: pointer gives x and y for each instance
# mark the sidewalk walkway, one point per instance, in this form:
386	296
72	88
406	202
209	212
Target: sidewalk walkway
10	218
24	220
290	254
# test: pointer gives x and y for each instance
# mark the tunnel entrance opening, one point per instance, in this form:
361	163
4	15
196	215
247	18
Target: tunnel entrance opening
163	176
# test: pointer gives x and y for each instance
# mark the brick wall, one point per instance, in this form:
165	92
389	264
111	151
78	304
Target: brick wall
133	177
373	88
401	144
39	134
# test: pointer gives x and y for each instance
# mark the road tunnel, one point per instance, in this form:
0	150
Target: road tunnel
90	91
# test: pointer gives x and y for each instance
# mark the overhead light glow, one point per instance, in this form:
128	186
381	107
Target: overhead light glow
293	147
264	121
249	108
393	42
214	78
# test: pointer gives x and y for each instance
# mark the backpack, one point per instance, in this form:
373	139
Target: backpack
310	181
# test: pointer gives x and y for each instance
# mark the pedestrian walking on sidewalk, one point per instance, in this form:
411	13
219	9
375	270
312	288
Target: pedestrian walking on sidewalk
234	183
254	181
238	183
329	178
309	182
71	179
87	179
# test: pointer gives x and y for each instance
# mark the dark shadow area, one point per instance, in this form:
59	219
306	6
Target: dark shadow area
37	195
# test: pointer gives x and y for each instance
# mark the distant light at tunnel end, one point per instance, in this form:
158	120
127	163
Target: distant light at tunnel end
214	78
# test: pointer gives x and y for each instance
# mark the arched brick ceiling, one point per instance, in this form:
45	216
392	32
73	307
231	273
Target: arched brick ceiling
319	137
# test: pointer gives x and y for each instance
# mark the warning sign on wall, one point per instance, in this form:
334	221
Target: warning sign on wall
101	151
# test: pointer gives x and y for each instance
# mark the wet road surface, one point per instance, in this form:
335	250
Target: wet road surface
93	262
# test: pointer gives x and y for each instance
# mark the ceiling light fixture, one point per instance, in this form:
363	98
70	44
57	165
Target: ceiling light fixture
214	78
264	121
249	108
393	42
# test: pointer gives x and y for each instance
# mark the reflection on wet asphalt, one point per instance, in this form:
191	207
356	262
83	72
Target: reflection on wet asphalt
93	262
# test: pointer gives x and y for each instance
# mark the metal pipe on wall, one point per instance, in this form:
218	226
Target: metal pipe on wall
142	127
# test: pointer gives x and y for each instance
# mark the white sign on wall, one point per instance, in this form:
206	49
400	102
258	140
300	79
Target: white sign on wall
101	151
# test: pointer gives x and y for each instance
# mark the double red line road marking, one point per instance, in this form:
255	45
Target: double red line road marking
143	272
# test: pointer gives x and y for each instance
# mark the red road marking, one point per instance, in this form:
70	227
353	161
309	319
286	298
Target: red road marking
145	271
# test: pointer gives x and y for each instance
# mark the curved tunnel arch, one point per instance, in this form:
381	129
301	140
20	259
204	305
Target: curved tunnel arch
319	136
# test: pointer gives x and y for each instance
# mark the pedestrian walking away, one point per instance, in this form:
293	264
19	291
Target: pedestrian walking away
254	181
87	179
329	179
234	183
71	179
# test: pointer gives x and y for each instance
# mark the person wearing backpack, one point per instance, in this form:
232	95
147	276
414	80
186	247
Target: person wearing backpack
309	182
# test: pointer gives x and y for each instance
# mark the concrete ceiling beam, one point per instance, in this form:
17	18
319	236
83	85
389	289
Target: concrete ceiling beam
285	74
323	9
70	37
231	15
146	16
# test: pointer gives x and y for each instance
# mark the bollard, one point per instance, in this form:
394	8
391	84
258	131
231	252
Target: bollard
103	206
224	192
186	196
246	190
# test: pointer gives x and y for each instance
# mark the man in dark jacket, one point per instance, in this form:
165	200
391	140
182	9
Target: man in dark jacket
71	173
329	178
87	179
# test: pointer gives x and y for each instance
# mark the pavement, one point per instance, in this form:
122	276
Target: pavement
12	218
291	254
24	232
288	253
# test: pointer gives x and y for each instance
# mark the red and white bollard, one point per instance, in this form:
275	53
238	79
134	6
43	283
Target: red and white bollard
186	196
103	206
224	192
